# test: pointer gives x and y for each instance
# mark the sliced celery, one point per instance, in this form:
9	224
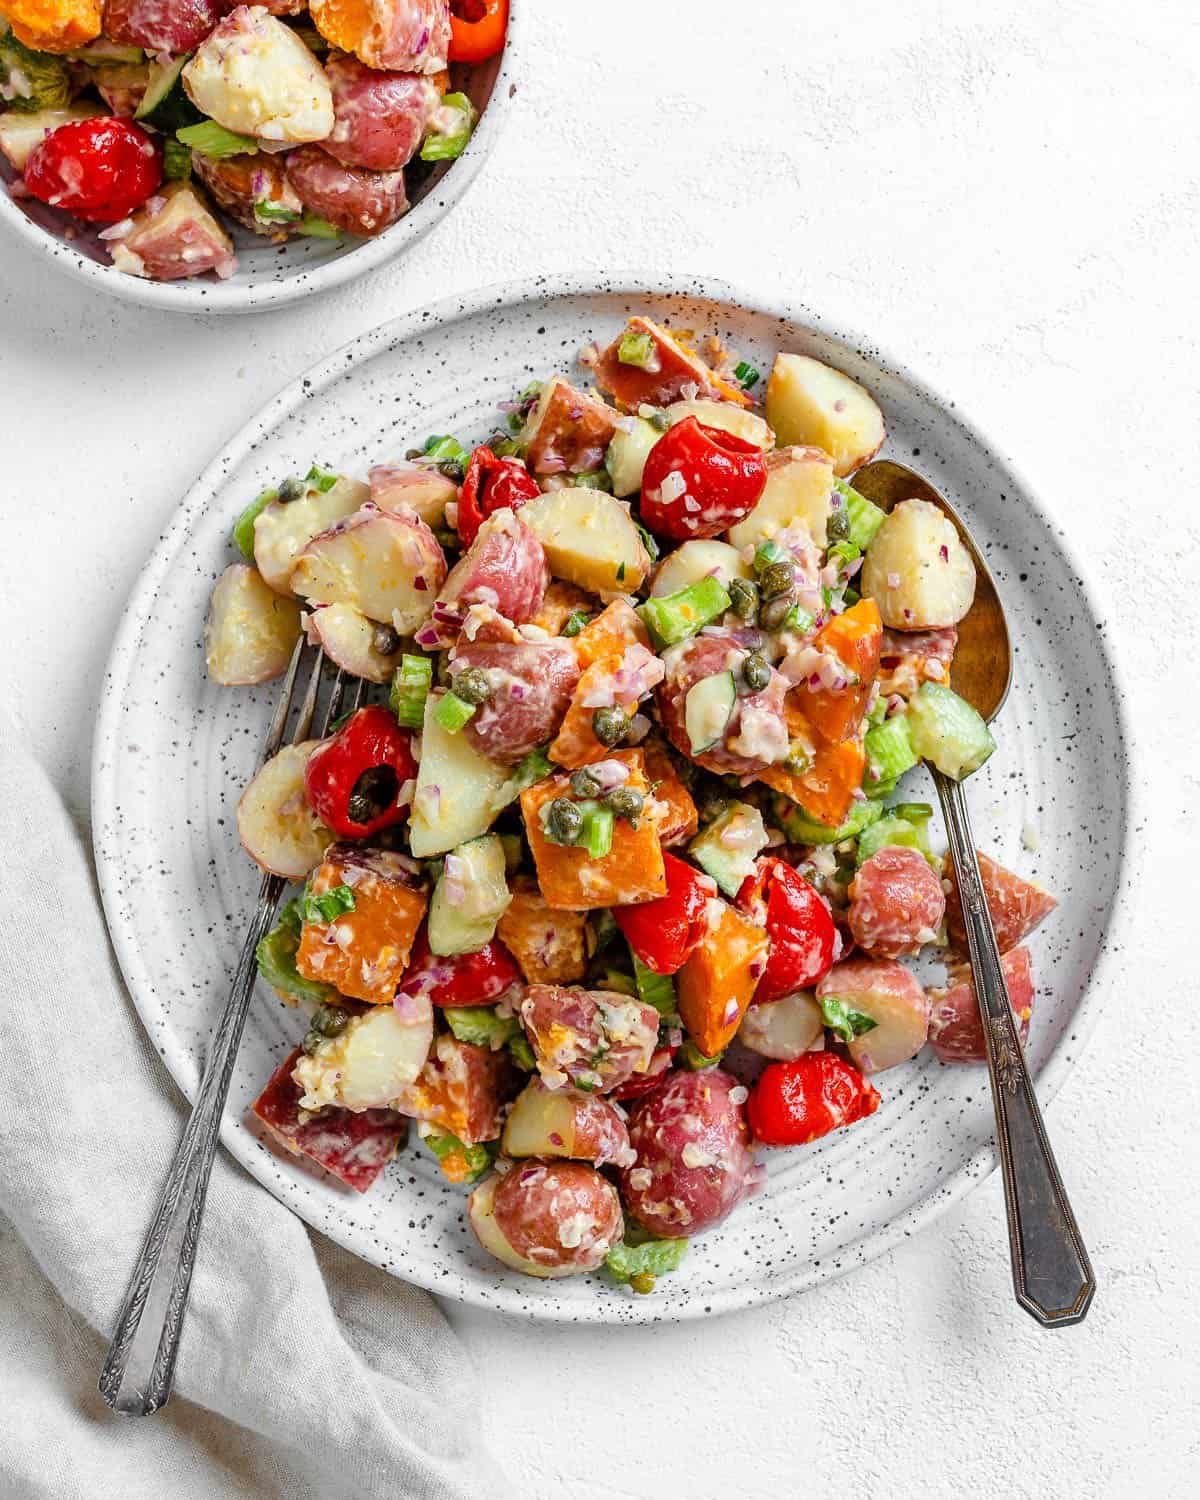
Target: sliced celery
410	688
889	750
597	834
946	730
451	141
639	1265
451	712
672	618
865	517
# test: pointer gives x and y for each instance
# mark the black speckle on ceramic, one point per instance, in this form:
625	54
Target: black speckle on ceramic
173	753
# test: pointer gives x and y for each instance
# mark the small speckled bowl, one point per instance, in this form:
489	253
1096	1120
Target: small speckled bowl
271	275
173	753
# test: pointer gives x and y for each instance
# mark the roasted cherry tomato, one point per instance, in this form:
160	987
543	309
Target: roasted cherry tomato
99	170
799	924
461	979
699	481
354	781
796	1102
663	932
491	484
477	29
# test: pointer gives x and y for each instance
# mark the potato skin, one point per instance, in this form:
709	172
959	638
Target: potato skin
1017	906
351	198
504	566
563	1216
567	1028
893	997
237	183
694	1164
686	665
566	1122
532	683
896	903
955	1024
379	118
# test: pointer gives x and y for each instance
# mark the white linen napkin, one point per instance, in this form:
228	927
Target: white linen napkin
302	1373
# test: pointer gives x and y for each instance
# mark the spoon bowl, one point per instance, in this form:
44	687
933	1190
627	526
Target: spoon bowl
981	671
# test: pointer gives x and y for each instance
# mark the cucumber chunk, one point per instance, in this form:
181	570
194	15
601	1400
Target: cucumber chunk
946	730
470	897
889	750
708	709
165	104
893	830
627	454
802	829
728	847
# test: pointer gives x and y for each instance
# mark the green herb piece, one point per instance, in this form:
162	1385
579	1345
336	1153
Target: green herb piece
410	687
482	1025
746	375
243	527
522	1053
267	212
276	956
452	713
477	1159
844	554
637	349
317	228
177	160
843	1020
648	542
458	116
328	906
213	140
695	1061
443	449
593	479
575	623
672	618
639	1265
321	479
655	989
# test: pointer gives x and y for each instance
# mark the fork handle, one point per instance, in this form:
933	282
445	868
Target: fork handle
140	1367
1052	1275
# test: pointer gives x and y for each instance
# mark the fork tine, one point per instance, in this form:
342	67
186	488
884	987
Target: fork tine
334	706
280	717
309	706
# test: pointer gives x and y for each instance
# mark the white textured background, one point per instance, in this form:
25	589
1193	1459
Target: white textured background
1010	202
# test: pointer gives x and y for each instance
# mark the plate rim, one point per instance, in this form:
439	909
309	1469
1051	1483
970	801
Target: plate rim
492	297
224	298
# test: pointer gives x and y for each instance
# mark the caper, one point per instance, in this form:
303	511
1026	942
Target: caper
292	489
756	672
777	579
311	1043
472	685
775	612
452	470
564	821
641	1282
743	598
385	640
584	784
329	1020
626	802
411	453
610	725
837	528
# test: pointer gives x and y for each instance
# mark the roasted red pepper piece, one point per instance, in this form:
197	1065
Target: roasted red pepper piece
477	29
712	480
355	780
796	1102
461	979
491	483
663	932
799	924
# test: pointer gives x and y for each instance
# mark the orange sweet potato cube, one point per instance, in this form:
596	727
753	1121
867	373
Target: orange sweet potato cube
461	1088
550	946
363	952
679	819
606	637
716	984
826	789
600	645
570	879
855	638
560	602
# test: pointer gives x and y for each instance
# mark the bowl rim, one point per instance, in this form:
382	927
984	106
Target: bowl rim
1106	972
226	297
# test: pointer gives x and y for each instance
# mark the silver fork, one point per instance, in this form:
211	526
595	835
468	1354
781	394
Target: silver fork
140	1368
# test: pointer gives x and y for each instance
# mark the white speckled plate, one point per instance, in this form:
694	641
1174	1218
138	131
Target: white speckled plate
173	753
271	275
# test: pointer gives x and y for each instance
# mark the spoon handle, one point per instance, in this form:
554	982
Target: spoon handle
1052	1275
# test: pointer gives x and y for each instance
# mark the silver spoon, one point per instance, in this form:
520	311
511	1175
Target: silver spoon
1052	1275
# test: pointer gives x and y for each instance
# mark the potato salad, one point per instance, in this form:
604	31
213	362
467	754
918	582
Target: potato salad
611	888
159	124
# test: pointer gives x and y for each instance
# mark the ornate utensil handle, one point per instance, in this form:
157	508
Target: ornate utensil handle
138	1373
1052	1275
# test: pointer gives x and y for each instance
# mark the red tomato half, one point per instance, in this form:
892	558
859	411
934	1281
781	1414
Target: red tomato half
796	1102
477	29
699	481
491	483
663	932
799	924
462	978
99	170
353	782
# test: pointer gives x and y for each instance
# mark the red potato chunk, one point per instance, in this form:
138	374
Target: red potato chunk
1017	905
462	1088
387	565
240	184
756	735
567	432
379	119
162	25
412	487
694	1164
896	903
892	996
566	1122
547	1219
353	1147
504	567
173	236
955	1024
351	198
908	660
593	1038
532	683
